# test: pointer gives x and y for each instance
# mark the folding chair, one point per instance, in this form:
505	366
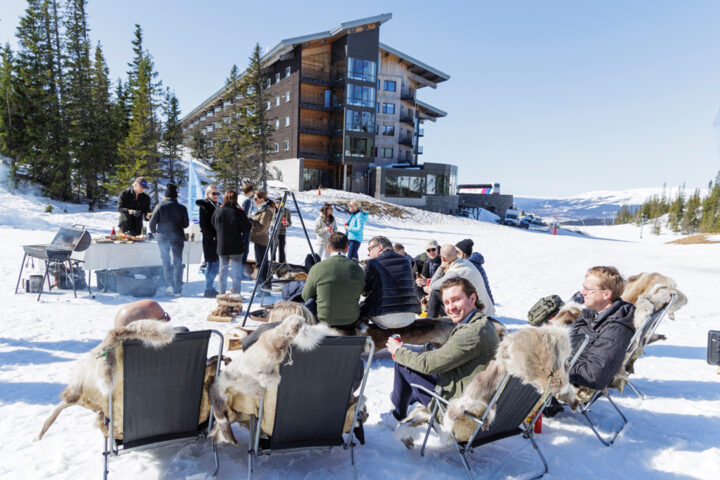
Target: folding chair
162	393
312	400
637	343
516	413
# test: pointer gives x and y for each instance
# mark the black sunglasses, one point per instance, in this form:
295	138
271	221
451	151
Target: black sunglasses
431	250
214	193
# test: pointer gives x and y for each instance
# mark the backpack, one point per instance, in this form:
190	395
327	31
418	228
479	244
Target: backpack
544	309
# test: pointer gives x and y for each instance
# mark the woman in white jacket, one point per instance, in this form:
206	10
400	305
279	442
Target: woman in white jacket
324	227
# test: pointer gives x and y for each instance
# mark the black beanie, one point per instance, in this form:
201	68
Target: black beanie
171	190
465	246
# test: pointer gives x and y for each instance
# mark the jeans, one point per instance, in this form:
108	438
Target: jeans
211	271
281	245
353	247
259	256
237	269
172	271
403	395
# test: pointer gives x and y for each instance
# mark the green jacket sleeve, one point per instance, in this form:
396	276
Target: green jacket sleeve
459	349
309	290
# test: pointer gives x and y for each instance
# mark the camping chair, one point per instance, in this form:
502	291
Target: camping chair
162	393
312	400
516	413
639	340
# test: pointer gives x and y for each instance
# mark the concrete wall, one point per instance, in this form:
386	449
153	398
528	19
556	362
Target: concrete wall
291	171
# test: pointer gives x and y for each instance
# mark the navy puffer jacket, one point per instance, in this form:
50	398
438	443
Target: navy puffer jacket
389	286
477	259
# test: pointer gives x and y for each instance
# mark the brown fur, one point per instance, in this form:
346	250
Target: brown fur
95	374
538	356
419	332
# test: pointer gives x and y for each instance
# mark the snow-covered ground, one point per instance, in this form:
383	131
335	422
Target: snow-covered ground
673	433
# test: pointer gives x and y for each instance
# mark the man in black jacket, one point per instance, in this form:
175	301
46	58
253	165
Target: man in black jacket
168	221
133	205
389	290
608	321
207	208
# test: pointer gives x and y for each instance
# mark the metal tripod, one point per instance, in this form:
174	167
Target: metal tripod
274	232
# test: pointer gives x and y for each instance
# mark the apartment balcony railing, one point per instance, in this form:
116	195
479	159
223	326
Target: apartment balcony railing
407	95
407	118
315	128
419	150
316	77
405	140
314	152
218	109
317	102
420	132
227	105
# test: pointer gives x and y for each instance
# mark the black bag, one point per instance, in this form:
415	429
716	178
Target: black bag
544	309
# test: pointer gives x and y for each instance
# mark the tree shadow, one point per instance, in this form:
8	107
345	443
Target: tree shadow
685	389
29	357
72	346
36	393
676	351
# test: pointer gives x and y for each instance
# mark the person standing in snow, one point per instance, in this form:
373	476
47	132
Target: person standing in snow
285	222
231	225
207	206
245	201
133	205
325	226
464	249
168	221
354	228
261	221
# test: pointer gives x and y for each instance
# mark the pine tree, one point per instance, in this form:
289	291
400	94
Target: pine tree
172	138
691	217
198	145
12	123
254	115
232	163
710	220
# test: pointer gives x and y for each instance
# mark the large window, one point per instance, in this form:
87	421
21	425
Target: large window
360	95
388	108
359	121
442	186
388	130
386	152
404	186
358	146
390	85
362	69
430	184
317	177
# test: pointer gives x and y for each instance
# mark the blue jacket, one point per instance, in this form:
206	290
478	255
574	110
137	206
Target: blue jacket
477	259
355	225
389	286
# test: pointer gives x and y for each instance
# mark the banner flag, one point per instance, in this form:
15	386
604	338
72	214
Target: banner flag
195	192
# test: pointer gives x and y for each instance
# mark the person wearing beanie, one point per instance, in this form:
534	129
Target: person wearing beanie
168	222
134	205
464	249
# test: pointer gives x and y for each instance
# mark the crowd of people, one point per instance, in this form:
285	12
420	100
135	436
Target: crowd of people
391	291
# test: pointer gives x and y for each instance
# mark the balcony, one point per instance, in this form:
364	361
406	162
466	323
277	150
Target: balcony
407	95
314	152
405	140
420	132
316	77
407	118
315	128
419	150
317	102
218	109
227	105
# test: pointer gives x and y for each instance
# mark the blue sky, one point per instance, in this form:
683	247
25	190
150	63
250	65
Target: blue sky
546	97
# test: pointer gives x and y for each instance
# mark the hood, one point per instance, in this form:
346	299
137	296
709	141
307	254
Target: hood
476	257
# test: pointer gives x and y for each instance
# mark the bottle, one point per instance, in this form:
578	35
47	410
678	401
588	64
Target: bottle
113	235
192	237
284	221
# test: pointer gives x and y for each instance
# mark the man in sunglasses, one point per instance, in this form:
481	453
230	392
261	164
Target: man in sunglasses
207	207
134	205
427	263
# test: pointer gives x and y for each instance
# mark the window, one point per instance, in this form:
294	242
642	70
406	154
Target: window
430	183
360	95
286	144
277	77
359	121
277	124
358	146
377	107
390	85
287	96
388	108
277	101
404	186
287	121
287	72
388	130
361	69
268	83
276	147
386	152
267	105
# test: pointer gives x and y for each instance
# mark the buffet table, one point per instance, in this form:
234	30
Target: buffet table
101	256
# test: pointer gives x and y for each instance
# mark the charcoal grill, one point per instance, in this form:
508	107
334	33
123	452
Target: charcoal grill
66	241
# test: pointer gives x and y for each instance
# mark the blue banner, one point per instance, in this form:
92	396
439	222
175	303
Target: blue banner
195	192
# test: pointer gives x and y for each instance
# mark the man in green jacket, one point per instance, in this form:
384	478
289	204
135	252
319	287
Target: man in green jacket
450	368
336	284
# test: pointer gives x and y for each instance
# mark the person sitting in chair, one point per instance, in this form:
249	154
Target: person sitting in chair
608	321
467	352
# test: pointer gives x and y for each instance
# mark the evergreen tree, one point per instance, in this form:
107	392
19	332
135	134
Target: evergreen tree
675	211
691	217
710	220
172	138
254	115
198	145
233	164
624	215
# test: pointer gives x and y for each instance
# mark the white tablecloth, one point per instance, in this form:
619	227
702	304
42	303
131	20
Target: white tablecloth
100	256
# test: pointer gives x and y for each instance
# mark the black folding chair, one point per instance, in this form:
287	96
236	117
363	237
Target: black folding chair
515	414
313	398
162	393
639	340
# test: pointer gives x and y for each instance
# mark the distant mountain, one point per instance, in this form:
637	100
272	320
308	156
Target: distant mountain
592	207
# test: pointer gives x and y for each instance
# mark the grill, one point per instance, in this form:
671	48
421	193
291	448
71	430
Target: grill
66	241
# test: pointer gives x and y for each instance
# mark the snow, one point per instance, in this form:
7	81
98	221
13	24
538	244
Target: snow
671	434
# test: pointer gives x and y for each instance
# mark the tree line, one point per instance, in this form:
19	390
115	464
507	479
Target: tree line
686	213
67	127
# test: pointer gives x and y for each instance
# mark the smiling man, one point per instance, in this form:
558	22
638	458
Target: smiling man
608	321
450	368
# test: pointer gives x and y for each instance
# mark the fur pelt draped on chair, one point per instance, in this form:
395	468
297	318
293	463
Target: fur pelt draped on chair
537	356
96	374
236	392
